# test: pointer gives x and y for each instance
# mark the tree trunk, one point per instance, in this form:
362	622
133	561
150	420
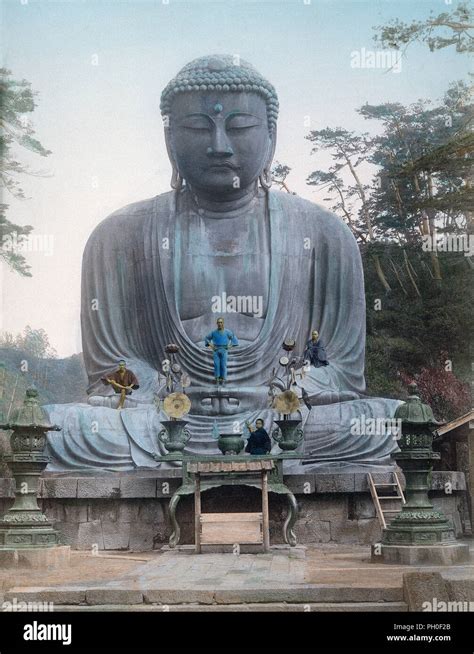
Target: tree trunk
368	222
380	273
432	231
410	275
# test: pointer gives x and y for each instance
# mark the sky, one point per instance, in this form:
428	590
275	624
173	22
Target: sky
99	68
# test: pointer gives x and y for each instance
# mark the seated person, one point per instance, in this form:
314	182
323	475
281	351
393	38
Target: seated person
259	441
122	381
315	352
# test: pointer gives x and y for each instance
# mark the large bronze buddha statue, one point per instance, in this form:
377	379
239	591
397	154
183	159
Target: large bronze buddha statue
153	269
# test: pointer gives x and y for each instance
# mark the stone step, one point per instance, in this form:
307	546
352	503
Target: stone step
339	607
317	594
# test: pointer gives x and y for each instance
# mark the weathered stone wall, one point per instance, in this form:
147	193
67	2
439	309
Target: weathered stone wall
130	512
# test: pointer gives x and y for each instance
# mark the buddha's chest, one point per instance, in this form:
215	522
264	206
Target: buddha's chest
224	268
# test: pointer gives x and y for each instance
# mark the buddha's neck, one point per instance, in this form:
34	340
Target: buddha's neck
223	205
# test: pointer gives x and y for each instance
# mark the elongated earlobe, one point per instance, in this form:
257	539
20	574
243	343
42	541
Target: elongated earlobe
176	180
265	178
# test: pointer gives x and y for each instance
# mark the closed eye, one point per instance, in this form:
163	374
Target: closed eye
197	122
241	128
236	122
197	128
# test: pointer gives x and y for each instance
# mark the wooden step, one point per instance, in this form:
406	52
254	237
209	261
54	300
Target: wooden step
230	528
230	517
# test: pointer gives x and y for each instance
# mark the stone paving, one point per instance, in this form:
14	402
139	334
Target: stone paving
327	577
216	571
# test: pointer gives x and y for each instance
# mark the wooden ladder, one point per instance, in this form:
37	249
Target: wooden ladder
395	487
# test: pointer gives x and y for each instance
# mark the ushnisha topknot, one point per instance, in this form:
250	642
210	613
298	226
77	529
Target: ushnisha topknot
221	73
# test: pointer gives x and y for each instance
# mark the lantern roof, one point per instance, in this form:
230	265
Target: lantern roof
30	415
414	411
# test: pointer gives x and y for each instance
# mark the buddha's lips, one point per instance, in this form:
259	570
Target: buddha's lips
224	165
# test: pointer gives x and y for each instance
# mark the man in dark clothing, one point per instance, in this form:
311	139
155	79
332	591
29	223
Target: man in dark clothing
259	441
315	352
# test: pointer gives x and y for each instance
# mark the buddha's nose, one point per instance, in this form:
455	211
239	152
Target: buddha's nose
220	146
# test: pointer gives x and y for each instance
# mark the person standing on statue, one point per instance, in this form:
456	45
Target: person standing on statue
220	340
315	352
123	381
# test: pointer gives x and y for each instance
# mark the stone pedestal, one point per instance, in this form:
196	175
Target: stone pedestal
419	533
24	524
448	554
27	536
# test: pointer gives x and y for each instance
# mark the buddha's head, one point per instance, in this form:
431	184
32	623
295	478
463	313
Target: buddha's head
220	119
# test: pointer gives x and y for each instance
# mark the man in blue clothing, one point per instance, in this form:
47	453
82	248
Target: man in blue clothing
259	441
220	340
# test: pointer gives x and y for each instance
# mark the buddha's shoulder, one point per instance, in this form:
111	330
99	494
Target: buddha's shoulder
123	222
309	215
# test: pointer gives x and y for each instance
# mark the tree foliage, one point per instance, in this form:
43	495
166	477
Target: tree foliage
409	199
28	358
452	154
439	387
35	342
279	174
407	180
447	29
17	102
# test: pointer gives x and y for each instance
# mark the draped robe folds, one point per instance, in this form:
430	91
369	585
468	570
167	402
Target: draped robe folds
131	283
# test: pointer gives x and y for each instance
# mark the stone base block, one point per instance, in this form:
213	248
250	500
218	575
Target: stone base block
46	558
130	511
297	552
448	554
